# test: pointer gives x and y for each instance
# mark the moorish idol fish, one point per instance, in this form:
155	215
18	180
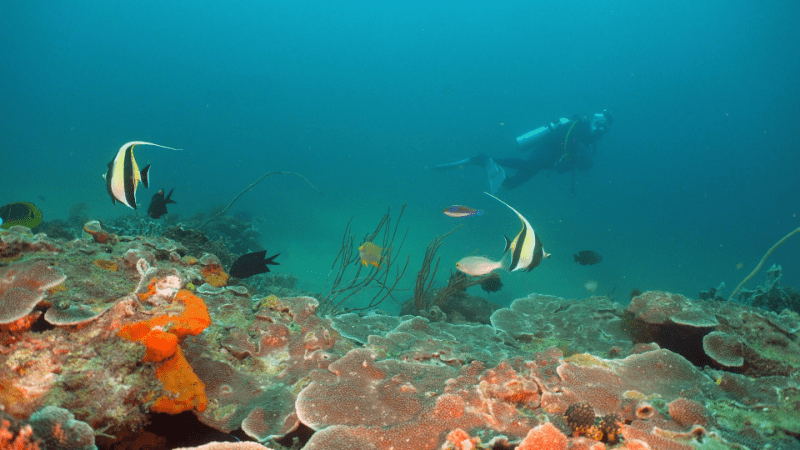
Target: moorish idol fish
252	264
124	175
525	252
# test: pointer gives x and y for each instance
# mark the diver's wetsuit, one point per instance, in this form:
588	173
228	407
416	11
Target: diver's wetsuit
549	153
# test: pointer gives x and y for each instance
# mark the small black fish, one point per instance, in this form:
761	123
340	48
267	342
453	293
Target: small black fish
158	205
588	257
252	264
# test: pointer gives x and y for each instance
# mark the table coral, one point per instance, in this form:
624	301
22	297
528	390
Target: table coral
540	321
724	348
263	361
687	412
23	286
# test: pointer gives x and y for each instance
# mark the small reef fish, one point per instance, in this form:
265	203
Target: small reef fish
370	254
252	264
158	205
20	213
124	175
525	251
461	211
478	265
590	285
588	257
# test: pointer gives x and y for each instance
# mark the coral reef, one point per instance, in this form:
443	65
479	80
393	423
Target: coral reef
198	244
771	296
238	233
51	428
728	335
536	322
117	349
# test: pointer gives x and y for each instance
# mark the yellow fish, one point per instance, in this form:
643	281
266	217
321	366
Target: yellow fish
370	254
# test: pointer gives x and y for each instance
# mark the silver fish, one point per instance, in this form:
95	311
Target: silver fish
478	265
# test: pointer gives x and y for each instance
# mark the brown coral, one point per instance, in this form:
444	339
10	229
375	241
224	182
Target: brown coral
215	275
95	229
580	417
610	426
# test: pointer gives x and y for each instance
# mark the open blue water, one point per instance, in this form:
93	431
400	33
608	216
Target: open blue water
698	174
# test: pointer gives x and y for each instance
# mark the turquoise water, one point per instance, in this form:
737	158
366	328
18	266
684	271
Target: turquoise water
697	175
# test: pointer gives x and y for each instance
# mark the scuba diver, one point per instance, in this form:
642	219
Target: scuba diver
562	145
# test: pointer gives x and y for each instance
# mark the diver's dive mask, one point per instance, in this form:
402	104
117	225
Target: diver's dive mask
599	125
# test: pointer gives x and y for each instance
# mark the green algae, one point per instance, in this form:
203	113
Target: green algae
774	419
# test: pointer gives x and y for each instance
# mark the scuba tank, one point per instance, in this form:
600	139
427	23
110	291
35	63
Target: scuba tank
530	139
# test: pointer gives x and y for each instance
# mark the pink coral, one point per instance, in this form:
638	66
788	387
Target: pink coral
544	437
389	403
724	348
655	441
459	439
227	446
364	395
15	437
23	285
289	342
687	412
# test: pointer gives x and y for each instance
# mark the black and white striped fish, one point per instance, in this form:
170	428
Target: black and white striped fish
525	252
124	175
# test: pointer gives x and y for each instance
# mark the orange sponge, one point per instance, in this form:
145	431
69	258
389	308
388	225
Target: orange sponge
160	345
184	390
161	336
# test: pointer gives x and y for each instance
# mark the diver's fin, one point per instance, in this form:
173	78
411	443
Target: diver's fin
496	175
479	160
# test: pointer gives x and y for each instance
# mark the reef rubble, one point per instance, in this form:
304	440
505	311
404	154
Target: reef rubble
103	339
